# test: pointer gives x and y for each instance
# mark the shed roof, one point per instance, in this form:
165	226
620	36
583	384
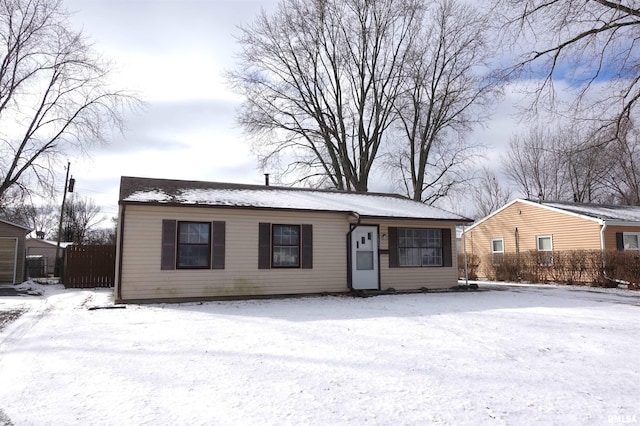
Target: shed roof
6	222
180	192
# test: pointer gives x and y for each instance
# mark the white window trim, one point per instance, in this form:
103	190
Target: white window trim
637	234
493	252
538	237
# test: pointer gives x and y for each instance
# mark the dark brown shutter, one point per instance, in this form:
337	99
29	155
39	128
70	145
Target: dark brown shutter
393	247
264	246
620	241
217	245
168	252
307	246
447	254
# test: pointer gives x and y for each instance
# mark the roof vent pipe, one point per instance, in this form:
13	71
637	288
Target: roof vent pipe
266	179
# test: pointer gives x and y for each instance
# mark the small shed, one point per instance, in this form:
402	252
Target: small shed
12	249
182	240
46	251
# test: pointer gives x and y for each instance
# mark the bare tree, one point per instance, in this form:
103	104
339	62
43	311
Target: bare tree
320	79
582	151
41	219
563	163
589	43
535	165
103	236
326	83
488	194
81	216
622	175
54	93
447	92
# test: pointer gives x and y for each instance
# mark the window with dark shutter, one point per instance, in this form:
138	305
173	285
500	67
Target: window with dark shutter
285	247
194	245
420	247
393	247
168	250
620	241
264	246
218	245
447	252
307	246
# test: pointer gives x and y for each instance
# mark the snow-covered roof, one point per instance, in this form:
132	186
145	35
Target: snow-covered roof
63	244
599	211
165	191
612	214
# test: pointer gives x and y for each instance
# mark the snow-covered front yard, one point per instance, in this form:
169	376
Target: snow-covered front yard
506	355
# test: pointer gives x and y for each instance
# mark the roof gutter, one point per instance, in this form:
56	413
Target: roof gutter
619	222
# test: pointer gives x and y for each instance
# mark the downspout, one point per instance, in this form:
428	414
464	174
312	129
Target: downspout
602	247
517	238
357	216
464	251
120	248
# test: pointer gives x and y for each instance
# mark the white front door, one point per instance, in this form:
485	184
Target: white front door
364	258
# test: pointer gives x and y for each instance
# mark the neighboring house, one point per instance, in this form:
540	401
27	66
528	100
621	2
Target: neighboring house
548	227
46	250
12	238
180	240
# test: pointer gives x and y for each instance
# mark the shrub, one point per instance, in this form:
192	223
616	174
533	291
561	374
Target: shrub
506	270
473	263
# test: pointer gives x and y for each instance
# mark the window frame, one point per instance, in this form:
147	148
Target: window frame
637	235
275	265
422	256
494	252
548	258
180	244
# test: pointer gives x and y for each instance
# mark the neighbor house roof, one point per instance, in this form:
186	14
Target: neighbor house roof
179	192
601	213
63	244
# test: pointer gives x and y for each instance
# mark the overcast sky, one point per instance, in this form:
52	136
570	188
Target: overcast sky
173	53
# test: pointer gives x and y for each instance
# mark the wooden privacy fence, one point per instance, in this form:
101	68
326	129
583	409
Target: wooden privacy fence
89	266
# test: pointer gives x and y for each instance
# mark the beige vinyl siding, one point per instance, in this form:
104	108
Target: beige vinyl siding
11	256
142	278
413	278
569	232
610	235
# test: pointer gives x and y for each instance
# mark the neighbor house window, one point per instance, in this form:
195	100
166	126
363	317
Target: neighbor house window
419	247
194	245
631	240
286	246
497	251
545	249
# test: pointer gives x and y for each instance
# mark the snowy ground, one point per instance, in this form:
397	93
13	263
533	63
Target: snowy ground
510	355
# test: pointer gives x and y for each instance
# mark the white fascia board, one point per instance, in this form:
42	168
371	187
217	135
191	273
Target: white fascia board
620	223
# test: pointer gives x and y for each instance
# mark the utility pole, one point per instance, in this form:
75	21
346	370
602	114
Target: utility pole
70	184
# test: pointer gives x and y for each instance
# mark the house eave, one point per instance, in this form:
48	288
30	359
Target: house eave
461	220
620	223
